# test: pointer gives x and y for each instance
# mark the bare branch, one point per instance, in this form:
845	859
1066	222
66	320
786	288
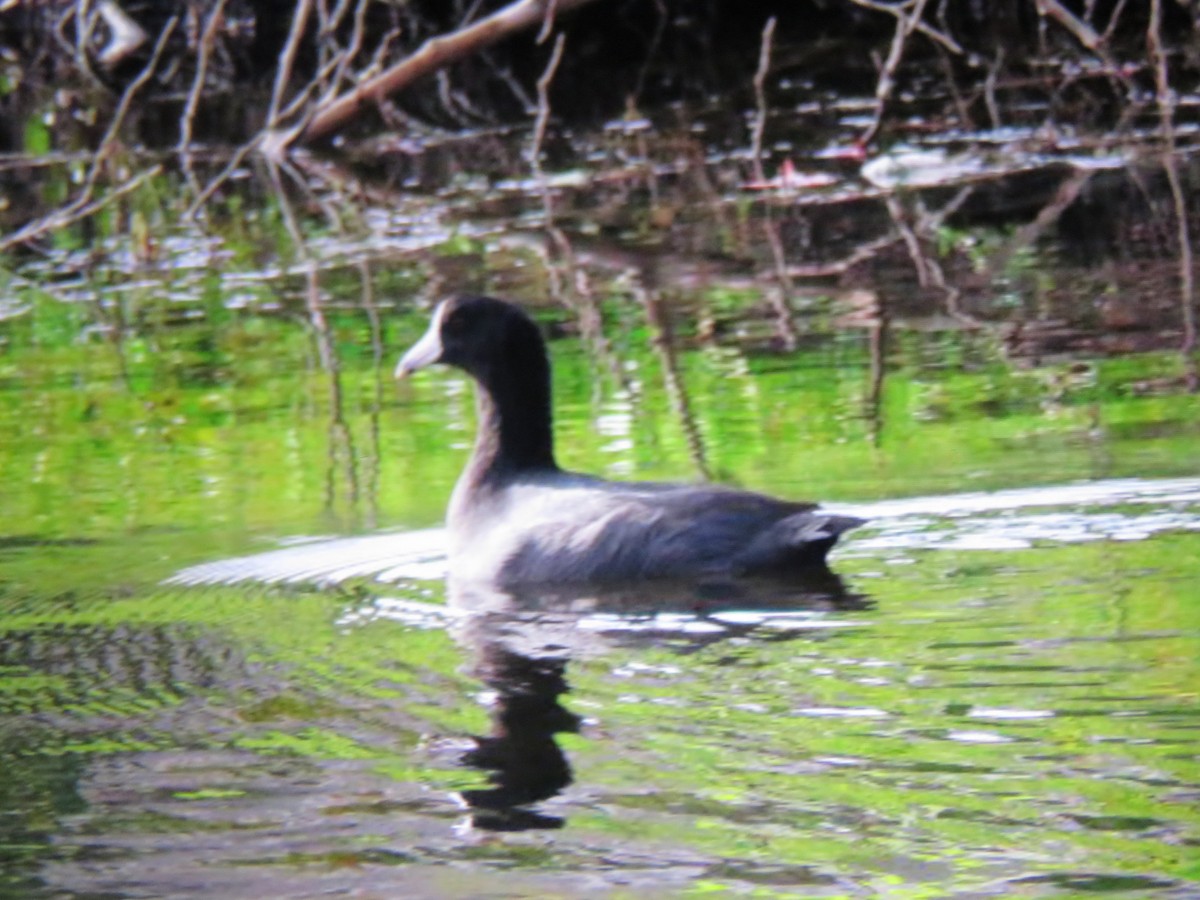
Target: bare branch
234	163
543	119
1047	216
85	22
1166	111
906	23
760	78
859	255
351	51
207	38
543	106
432	55
287	58
897	10
780	298
1113	19
1083	32
126	101
332	72
663	341
660	27
78	209
989	88
548	21
83	205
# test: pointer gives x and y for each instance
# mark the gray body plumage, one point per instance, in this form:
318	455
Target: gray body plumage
567	527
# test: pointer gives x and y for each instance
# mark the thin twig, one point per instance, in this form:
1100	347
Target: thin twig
85	23
760	78
929	270
660	27
221	177
1166	111
924	28
542	120
989	88
543	104
505	75
1113	19
1083	32
859	255
316	315
548	21
327	25
1066	194
877	332
906	23
332	72
351	52
83	205
1187	280
287	58
122	110
327	76
663	339
963	107
909	235
78	209
469	15
207	38
780	299
60	27
1087	36
372	459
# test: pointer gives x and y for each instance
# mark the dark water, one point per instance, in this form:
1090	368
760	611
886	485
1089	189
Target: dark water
228	665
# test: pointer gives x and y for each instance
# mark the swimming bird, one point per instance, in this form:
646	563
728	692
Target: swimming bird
516	518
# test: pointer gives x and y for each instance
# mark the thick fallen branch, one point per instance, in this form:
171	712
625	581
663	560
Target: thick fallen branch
431	56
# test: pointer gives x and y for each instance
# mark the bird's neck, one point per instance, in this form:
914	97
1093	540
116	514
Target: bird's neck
514	434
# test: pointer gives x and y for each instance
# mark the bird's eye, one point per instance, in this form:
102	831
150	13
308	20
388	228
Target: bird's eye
455	323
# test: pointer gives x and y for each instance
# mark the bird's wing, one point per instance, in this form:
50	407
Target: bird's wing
587	531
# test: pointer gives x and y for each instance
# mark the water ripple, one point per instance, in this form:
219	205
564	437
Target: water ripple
1000	520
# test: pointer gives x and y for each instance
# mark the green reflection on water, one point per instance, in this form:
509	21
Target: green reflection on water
994	715
1014	715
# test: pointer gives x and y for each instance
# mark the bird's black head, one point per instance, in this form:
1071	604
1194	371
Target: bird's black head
474	334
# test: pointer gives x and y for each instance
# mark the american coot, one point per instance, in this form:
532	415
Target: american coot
516	518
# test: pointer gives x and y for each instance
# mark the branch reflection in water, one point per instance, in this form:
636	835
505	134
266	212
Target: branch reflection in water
521	641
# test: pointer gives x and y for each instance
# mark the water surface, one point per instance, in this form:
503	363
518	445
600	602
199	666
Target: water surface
229	665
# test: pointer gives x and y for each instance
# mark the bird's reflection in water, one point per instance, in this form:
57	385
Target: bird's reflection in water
521	642
525	761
